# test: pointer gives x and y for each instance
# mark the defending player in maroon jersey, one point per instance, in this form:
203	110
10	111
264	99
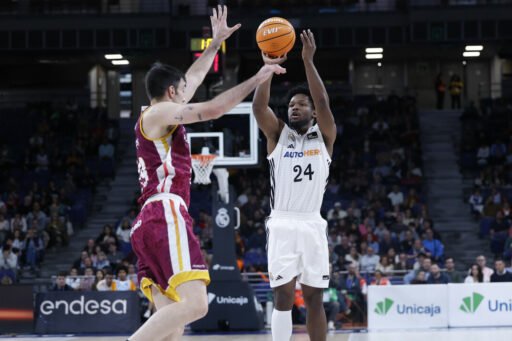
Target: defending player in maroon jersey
164	164
171	270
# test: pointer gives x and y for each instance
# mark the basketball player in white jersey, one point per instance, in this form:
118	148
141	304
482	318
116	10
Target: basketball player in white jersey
299	154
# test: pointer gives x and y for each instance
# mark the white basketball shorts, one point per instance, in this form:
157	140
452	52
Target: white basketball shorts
297	247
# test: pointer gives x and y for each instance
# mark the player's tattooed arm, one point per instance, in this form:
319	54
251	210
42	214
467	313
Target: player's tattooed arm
212	109
185	113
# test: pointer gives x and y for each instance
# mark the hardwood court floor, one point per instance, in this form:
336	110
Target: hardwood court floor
470	334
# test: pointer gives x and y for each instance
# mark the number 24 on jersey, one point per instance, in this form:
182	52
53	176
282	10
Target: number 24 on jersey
301	174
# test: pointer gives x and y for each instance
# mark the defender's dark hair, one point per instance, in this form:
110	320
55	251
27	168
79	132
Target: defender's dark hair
300	89
160	77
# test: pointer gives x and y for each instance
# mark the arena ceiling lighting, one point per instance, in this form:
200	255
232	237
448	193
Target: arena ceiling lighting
474	47
375	56
120	62
471	54
374	50
113	56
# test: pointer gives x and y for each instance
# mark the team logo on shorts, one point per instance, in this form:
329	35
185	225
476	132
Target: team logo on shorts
222	218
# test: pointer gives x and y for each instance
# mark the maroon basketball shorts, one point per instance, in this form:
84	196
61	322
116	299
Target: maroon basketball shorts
168	252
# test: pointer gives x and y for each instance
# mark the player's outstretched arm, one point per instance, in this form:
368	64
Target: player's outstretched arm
324	116
170	113
198	70
268	122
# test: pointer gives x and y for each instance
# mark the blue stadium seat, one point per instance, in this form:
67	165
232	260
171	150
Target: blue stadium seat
485	226
468	160
255	257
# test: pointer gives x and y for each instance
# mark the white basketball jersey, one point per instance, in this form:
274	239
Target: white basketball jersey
299	169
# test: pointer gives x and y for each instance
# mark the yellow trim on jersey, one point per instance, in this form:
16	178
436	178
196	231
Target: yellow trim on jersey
164	142
174	282
183	277
145	287
177	230
165	137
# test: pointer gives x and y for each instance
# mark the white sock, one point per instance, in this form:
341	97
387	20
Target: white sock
281	325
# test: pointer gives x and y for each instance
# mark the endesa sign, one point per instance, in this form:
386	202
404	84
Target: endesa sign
87	312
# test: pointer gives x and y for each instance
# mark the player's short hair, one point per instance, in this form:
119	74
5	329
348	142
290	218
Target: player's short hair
160	77
300	89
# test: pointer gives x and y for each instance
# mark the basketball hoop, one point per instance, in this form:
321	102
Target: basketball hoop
202	164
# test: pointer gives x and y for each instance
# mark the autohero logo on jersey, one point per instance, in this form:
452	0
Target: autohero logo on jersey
306	153
222	218
240	300
81	306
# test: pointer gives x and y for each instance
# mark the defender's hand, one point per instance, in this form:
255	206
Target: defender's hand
220	29
268	70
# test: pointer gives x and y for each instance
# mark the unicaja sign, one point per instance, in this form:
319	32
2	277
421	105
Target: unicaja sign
240	300
471	303
81	306
383	307
217	267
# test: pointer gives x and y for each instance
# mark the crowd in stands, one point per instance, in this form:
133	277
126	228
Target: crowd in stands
380	231
486	157
48	173
379	228
378	222
106	263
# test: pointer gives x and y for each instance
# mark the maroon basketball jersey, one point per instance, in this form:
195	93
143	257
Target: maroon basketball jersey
164	164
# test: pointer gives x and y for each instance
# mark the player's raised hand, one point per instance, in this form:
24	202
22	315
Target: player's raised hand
308	45
272	61
268	70
220	29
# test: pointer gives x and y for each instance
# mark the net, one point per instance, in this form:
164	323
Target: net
202	164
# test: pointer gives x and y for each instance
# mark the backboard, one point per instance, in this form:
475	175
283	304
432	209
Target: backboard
233	137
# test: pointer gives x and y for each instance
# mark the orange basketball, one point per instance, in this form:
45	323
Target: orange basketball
275	36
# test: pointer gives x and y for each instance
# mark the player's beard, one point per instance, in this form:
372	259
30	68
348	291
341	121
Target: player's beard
299	125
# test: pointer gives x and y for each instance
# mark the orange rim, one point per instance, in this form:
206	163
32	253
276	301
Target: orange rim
204	159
